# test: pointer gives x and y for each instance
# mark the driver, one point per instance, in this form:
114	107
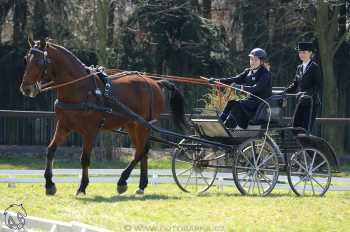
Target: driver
255	80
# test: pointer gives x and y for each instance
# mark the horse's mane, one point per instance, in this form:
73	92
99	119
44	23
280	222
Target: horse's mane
68	53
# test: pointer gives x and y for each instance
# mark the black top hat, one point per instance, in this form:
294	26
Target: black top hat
304	46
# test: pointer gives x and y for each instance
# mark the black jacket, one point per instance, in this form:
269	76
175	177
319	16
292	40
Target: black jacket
310	82
258	83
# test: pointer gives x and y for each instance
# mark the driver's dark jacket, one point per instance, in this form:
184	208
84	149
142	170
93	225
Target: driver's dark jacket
258	83
309	82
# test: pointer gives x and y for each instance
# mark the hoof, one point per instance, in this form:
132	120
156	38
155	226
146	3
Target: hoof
139	192
122	189
51	190
80	192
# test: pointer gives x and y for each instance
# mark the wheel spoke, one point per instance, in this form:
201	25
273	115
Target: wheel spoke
268	180
301	179
265	160
312	186
257	184
204	178
188	178
243	178
320	165
253	152
247	160
261	150
254	180
305	160
300	165
317	183
183	161
247	181
184	171
250	183
313	160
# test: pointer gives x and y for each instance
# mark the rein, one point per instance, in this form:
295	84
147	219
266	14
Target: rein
51	84
188	80
48	86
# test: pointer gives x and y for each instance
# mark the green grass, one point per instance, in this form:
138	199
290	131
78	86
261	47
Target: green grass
165	205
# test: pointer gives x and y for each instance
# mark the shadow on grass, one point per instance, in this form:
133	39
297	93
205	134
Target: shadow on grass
121	198
272	195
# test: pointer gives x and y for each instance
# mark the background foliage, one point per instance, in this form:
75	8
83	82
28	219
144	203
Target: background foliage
186	38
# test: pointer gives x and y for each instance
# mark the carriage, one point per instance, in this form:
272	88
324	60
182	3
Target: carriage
255	157
90	101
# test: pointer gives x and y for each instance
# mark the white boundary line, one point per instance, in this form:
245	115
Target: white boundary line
157	176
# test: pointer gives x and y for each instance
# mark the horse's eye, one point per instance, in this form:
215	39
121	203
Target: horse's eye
25	60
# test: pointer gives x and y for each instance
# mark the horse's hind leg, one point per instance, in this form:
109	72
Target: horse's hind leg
85	161
144	170
58	138
139	136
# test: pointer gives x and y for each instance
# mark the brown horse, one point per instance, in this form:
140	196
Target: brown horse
76	87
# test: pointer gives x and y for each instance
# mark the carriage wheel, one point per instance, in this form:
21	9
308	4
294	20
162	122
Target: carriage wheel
309	172
255	168
194	166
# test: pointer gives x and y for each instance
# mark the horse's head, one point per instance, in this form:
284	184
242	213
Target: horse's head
36	70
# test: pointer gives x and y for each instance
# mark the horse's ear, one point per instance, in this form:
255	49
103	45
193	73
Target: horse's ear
30	41
42	43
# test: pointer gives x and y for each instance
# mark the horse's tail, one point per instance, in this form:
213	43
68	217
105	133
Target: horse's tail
177	103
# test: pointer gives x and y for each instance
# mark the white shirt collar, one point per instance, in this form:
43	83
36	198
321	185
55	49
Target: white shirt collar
305	65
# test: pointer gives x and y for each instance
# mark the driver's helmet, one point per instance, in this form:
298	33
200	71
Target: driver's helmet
258	52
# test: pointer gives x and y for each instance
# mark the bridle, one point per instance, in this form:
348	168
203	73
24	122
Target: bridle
44	63
50	84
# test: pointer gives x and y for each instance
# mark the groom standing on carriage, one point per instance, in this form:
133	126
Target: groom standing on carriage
308	85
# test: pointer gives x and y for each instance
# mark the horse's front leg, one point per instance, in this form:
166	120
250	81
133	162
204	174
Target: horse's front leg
85	163
59	136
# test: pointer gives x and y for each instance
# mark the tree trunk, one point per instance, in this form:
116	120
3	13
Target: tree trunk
327	37
102	29
206	9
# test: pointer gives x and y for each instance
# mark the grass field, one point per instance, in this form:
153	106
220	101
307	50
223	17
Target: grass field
165	208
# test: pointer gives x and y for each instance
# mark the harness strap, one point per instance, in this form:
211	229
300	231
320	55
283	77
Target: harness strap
118	109
84	106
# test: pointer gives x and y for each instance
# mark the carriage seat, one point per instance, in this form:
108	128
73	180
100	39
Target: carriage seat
261	116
